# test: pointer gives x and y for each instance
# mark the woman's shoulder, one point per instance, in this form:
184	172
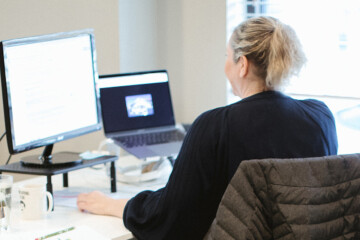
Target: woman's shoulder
211	119
213	114
315	104
312	101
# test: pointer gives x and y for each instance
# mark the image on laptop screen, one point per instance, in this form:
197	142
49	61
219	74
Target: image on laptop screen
139	105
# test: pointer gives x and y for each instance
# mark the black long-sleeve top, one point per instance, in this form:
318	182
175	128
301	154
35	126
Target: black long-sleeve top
266	125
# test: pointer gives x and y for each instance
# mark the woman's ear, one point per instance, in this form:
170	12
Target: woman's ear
243	66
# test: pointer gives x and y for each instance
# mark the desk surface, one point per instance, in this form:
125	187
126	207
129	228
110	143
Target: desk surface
67	215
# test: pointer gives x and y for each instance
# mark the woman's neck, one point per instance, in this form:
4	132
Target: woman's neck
253	87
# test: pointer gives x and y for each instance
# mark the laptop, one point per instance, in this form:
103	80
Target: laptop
138	115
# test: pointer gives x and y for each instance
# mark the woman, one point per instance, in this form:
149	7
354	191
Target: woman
261	55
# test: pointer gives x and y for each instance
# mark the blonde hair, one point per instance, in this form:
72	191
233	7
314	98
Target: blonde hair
271	46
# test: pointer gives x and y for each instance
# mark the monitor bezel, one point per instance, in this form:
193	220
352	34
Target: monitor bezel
13	149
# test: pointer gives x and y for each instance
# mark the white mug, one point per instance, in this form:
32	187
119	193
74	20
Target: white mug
33	201
5	201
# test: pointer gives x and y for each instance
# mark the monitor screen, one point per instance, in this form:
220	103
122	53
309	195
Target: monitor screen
49	89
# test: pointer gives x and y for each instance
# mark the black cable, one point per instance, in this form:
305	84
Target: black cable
2	136
7	162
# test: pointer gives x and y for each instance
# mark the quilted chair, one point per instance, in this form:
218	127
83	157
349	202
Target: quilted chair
304	198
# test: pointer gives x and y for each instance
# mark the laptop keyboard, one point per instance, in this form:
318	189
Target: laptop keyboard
151	138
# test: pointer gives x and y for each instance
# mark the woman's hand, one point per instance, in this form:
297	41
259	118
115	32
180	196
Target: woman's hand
98	203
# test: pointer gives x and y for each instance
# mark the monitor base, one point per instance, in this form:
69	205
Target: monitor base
56	160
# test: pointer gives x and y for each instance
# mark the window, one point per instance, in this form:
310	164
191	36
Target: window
331	41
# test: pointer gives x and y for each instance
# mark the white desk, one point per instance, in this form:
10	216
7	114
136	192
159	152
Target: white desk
66	214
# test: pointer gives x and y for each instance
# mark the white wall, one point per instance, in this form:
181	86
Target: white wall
204	39
186	37
22	18
138	35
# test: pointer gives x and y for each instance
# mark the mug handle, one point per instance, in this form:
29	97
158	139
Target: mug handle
51	202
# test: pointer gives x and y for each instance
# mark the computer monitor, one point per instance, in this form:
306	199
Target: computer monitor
49	89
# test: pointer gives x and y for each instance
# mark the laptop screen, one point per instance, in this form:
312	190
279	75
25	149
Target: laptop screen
132	101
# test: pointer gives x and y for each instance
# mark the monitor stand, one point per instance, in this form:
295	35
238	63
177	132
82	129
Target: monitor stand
47	159
18	167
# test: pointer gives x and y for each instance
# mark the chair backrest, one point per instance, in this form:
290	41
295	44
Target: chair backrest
304	198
